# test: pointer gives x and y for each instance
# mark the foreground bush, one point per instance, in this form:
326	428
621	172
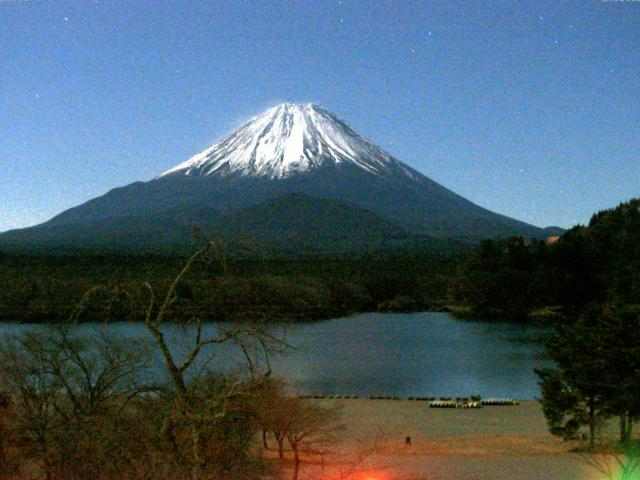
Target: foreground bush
89	407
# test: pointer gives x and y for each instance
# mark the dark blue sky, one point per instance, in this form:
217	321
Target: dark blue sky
529	108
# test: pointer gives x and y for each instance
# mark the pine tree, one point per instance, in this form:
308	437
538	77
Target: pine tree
597	374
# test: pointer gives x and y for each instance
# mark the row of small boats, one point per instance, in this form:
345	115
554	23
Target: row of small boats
459	402
473	403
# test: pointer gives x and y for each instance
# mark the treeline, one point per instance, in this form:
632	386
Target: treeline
507	279
520	280
48	288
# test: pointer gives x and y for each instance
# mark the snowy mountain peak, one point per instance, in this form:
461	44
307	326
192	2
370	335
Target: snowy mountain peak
285	140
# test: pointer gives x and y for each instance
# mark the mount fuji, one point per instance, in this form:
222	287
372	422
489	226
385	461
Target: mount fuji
294	175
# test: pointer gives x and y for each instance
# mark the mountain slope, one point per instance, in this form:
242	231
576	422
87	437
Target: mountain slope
299	222
289	149
289	224
173	226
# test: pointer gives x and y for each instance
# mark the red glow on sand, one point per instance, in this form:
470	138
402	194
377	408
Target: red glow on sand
371	476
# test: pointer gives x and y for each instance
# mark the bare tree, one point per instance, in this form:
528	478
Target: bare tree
311	430
6	435
190	410
268	404
66	393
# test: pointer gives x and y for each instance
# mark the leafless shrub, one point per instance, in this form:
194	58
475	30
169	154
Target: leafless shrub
69	397
7	437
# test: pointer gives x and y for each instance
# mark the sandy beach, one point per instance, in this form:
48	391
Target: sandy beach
491	443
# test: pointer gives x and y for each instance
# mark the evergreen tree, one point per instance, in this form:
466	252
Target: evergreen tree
597	374
621	351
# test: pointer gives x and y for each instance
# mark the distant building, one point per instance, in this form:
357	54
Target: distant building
552	240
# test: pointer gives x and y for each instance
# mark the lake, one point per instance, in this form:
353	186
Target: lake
413	354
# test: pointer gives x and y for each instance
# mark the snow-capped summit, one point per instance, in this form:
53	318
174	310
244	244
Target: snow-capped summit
288	139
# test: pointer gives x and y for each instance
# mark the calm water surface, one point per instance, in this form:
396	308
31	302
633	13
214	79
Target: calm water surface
417	354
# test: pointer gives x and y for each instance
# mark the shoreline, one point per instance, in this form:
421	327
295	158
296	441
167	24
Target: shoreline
456	314
490	443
